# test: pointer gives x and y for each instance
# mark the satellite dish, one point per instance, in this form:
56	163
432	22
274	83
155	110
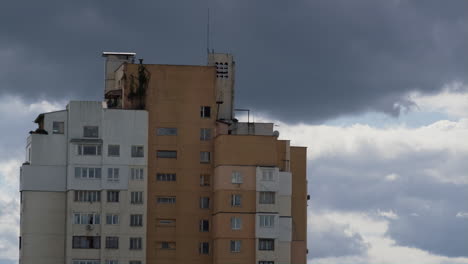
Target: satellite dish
276	133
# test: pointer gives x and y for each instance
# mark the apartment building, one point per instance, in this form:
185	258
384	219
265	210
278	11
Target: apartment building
83	187
210	189
219	190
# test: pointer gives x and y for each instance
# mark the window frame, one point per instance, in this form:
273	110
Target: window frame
236	200
205	111
166	131
205	134
60	130
235	246
137	151
116	146
237	177
205	157
166	154
90	134
262	199
236	223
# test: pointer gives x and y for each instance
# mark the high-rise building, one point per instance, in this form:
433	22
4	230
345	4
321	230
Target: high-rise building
209	189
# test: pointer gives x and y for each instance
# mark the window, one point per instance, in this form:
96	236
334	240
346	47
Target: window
166	177
266	262
267	197
135	243
235	246
86	219
58	127
112	196
87	173
204	248
135	262
236	223
236	200
136	220
204	226
136	173
166	222
166	154
113	174
267	221
205	134
205	111
86	242
204	202
86	261
137	152
91	131
166	131
205	157
205	180
267	175
87	196
112	219
112	262
167	245
236	177
136	197
113	150
112	242
266	244
89	150
166	200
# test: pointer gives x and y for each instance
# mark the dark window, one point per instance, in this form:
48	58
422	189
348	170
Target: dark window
91	131
86	242
166	177
166	200
112	242
87	196
136	243
205	111
236	200
235	246
167	154
166	131
205	157
205	180
266	262
266	244
205	248
137	152
267	197
112	196
204	202
136	220
58	127
205	134
113	150
204	226
89	150
136	197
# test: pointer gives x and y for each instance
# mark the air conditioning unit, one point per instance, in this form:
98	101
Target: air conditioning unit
89	227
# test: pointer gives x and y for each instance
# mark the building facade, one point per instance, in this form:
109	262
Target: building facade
83	187
215	190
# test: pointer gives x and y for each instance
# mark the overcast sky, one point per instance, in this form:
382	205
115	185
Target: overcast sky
376	89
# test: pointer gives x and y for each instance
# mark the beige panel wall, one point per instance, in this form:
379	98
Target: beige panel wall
43	227
173	99
245	150
223	178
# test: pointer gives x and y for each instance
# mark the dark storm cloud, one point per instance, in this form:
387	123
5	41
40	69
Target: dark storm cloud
426	208
315	59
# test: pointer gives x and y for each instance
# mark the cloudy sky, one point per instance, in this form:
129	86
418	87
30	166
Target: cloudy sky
376	89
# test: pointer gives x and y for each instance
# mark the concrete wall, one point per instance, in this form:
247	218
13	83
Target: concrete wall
225	76
42	227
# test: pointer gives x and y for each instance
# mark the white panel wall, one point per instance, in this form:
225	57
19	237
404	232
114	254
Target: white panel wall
42	178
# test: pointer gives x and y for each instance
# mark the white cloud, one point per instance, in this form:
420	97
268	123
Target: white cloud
392	177
453	100
462	214
388	214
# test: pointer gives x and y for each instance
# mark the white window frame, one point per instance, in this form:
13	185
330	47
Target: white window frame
205	202
136	220
112	219
236	177
202	225
205	179
205	134
81	149
135	243
136	197
116	146
268	175
205	111
85	173
138	151
267	221
137	174
205	157
83	218
58	127
236	223
236	200
166	200
166	177
235	246
91	127
113	174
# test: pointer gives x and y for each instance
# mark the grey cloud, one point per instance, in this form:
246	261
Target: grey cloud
334	242
426	207
302	61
